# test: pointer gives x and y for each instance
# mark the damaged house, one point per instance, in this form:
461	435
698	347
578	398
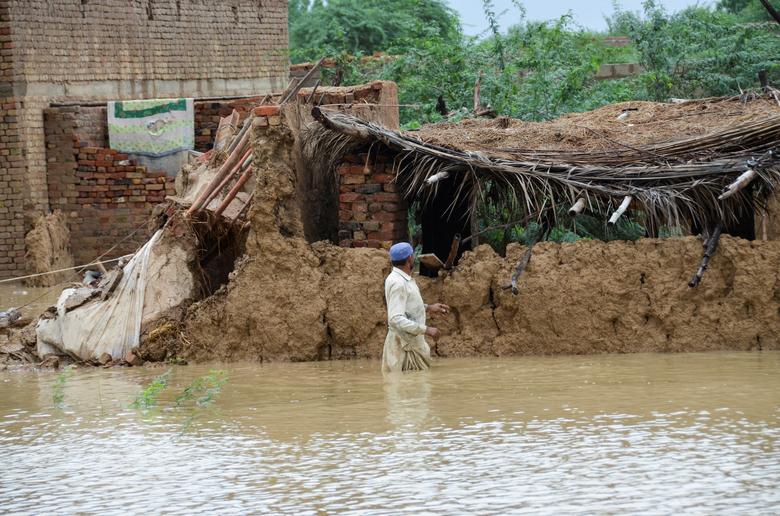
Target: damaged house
261	223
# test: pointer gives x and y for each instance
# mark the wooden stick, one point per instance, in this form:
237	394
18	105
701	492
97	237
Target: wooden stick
578	207
237	139
453	251
239	166
477	88
437	177
313	91
521	265
621	209
295	89
712	246
233	191
223	170
741	182
771	10
352	130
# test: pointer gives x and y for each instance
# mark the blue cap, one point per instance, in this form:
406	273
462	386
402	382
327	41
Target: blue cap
401	251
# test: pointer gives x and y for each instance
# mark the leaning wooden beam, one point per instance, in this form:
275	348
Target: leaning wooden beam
709	251
621	209
453	251
578	208
240	136
741	182
223	170
295	89
237	168
771	10
233	191
352	130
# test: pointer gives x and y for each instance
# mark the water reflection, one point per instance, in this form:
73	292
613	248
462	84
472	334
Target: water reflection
641	433
407	396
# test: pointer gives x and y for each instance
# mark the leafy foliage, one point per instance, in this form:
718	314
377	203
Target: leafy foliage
696	52
148	396
356	27
58	389
203	390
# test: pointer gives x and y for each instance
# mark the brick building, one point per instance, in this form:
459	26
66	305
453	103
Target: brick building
77	51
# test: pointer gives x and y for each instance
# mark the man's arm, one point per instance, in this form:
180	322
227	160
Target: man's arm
437	308
396	312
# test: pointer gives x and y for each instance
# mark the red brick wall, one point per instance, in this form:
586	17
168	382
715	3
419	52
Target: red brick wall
104	196
91	125
208	113
372	212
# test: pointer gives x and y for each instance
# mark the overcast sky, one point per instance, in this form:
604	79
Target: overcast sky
588	13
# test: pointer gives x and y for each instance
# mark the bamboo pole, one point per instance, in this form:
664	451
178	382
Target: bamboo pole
621	209
741	182
224	169
239	167
233	191
578	208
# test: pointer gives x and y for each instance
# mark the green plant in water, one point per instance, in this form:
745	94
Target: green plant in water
58	391
148	396
203	390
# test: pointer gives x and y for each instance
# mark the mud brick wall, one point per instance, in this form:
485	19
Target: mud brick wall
12	177
374	102
372	212
79	40
104	195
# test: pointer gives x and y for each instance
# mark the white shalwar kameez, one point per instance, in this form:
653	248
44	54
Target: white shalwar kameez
405	347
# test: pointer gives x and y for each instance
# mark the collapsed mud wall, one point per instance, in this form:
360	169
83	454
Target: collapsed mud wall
290	300
48	249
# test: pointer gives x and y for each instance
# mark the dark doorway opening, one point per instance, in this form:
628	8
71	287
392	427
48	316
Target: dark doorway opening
443	216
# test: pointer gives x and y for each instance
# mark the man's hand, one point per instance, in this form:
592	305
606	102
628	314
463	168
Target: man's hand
432	332
438	308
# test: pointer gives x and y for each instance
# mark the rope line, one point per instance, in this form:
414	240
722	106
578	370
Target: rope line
8	280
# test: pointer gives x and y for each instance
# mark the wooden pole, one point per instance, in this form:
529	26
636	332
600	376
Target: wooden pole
477	88
223	170
771	10
578	208
621	209
233	191
453	251
354	131
521	265
295	89
239	167
741	182
712	246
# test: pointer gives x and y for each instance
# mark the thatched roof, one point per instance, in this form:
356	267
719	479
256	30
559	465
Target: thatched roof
675	180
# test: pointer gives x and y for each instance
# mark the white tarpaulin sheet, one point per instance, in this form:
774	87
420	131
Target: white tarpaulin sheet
111	326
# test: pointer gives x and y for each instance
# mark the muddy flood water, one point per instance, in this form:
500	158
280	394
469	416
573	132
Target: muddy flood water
659	434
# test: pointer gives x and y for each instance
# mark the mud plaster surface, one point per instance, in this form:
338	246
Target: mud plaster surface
289	300
613	126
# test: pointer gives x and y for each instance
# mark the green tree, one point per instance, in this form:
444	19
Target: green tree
366	26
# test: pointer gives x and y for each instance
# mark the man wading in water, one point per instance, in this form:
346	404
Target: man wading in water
405	346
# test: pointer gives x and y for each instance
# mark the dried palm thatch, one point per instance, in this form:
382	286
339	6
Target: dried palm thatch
694	180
